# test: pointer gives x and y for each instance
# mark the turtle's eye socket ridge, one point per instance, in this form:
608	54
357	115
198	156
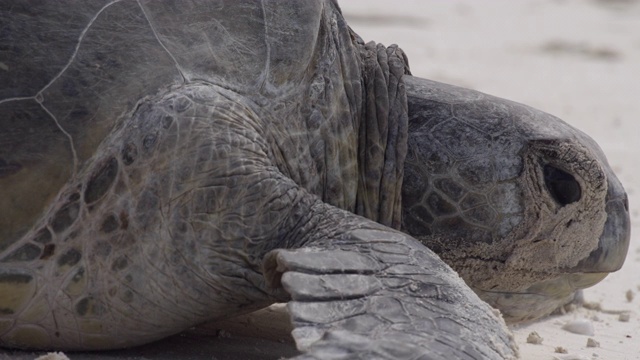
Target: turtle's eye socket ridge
562	186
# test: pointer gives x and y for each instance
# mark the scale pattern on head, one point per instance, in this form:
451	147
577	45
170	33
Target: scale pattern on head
470	170
508	195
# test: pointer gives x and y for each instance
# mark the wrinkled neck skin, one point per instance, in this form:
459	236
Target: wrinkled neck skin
345	138
521	204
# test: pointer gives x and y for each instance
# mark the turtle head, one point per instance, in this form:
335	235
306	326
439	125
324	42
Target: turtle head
522	205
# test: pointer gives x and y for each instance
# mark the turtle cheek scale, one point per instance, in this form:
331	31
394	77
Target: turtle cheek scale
511	198
567	226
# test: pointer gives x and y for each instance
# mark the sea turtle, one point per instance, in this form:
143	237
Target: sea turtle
165	163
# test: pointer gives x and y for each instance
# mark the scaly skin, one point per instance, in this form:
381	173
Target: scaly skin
130	254
202	160
488	210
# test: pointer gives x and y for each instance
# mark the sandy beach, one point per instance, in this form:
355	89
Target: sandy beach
576	59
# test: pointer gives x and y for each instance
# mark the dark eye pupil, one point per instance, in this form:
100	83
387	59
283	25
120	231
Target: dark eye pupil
563	186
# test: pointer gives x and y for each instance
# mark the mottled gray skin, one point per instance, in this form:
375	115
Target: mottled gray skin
167	163
475	192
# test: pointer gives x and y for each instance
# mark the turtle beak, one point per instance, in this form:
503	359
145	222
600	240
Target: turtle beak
542	298
614	240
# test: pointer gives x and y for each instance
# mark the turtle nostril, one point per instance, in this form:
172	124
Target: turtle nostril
563	186
626	203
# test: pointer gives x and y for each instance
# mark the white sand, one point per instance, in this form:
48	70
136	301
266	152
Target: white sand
576	59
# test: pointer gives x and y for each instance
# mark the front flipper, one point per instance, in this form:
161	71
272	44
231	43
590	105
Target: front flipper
374	293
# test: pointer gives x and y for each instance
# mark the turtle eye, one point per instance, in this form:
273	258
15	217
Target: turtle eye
563	186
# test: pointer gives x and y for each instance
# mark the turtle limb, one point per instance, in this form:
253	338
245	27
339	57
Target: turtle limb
360	290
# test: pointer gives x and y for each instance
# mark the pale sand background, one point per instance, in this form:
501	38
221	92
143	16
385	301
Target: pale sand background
577	59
